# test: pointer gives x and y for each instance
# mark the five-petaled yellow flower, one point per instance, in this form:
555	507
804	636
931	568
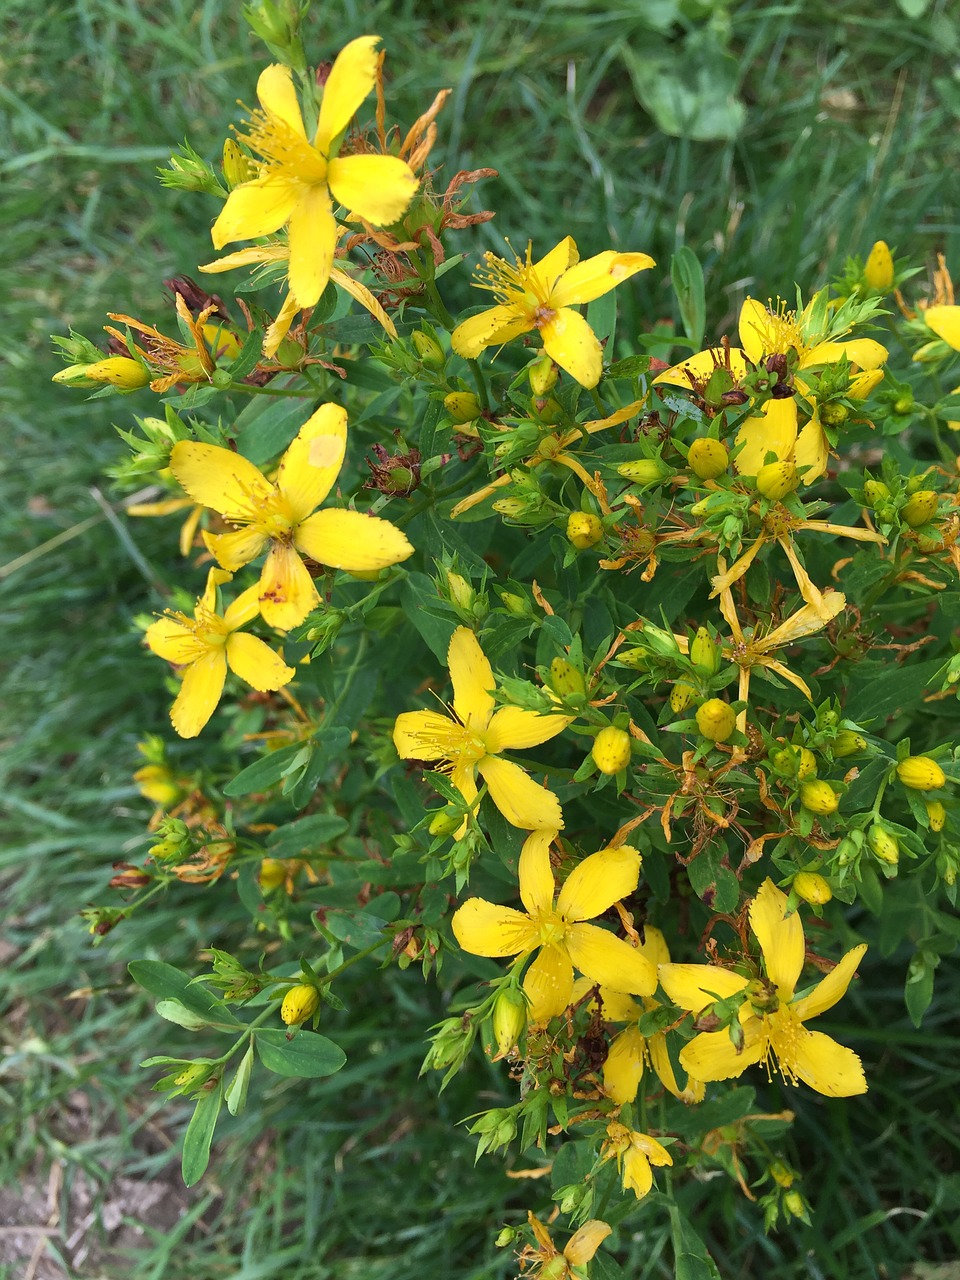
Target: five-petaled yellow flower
472	739
541	295
558	929
206	645
634	1153
279	516
299	179
772	1020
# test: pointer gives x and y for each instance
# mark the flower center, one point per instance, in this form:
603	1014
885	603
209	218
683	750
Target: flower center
780	332
285	151
516	284
782	1034
552	928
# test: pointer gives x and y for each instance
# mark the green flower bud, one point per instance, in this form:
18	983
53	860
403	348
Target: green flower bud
584	529
644	470
445	822
812	888
549	411
462	406
428	348
848	743
716	720
806	765
920	773
460	591
565	678
847	851
681	695
515	604
300	1003
611	750
883	844
875	492
834	414
777	479
921	508
543	377
708	459
878	268
819	797
705	652
509	1019
237	165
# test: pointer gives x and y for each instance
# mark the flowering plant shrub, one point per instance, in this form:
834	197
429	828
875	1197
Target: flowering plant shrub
574	675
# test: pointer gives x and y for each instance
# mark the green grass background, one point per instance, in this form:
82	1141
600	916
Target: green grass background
850	134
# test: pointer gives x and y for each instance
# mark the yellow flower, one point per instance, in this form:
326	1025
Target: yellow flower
944	321
300	179
278	516
206	645
558	928
630	1052
472	738
173	361
772	1024
634	1153
545	1260
541	295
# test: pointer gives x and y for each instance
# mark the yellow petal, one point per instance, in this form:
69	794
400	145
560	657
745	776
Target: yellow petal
255	662
278	97
861	384
287	592
215	578
352	540
219	478
313	238
694	986
654	946
521	801
472	679
830	1068
831	988
489	328
464	778
312	462
514	729
944	321
174	642
536	875
864	353
569	340
812	452
700	368
660	1061
617	1006
548	983
255	209
585	1242
780	937
712	1055
655	1151
362	294
424	735
553	264
485	929
199	693
623	1069
752	326
234	550
637	1176
774	431
277	331
609	960
244	609
596	276
251	256
378	188
598	882
351	78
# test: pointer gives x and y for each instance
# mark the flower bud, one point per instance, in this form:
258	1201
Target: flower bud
834	414
936	815
819	797
795	1205
611	750
716	720
878	268
515	604
122	372
548	411
883	844
237	165
299	1003
708	459
875	492
847	851
806	765
644	470
921	508
428	348
848	743
777	479
445	822
681	695
509	1019
705	652
461	592
273	872
920	773
812	888
543	377
462	406
781	1174
565	678
584	530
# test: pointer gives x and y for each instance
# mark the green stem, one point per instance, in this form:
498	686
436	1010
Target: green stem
601	407
481	384
244	388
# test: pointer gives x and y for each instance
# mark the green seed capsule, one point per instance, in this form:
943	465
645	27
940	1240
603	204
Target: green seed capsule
611	750
716	720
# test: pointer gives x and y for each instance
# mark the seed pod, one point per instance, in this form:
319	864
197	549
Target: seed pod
848	743
812	888
462	406
716	720
565	678
875	492
509	1019
584	529
920	773
708	459
299	1003
644	470
777	479
936	814
878	268
921	508
705	652
807	764
681	695
883	844
611	750
543	376
819	797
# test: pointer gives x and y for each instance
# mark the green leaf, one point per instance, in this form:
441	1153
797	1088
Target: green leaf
689	90
170	984
199	1135
236	1092
918	989
265	772
266	426
309	835
177	1012
306	1055
692	1261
